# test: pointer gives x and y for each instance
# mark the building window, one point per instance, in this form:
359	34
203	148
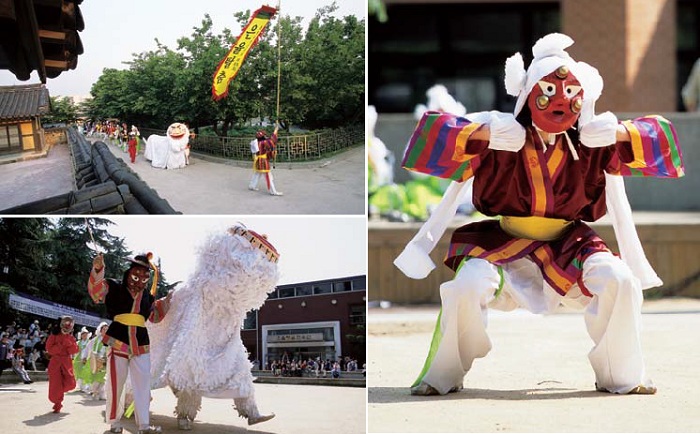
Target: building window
304	290
342	286
357	314
324	288
286	292
428	43
251	320
10	138
359	284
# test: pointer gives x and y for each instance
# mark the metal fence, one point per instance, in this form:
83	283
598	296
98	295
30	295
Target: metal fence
302	147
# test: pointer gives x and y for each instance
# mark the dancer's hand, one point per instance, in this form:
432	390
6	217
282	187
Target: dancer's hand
99	262
506	133
600	131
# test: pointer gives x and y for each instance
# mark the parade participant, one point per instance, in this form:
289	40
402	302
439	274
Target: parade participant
98	362
234	273
168	152
545	170
61	346
133	140
135	131
128	306
262	160
80	365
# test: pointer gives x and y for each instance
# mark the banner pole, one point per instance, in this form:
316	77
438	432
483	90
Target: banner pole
279	56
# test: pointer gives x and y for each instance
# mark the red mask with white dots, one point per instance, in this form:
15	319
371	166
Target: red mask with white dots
555	101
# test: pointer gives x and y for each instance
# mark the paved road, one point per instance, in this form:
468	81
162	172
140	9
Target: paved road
298	409
537	377
27	181
332	186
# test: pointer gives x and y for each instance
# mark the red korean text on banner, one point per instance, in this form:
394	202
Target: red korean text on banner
229	65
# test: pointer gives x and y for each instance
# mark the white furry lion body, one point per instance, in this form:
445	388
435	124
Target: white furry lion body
197	348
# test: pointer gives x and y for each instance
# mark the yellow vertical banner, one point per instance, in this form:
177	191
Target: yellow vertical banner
229	65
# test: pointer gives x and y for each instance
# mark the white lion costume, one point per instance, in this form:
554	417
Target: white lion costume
169	152
197	349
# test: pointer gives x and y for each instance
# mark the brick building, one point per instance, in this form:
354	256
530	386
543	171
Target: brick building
323	318
644	49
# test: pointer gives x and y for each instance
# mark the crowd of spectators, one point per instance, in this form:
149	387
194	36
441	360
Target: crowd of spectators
23	348
311	367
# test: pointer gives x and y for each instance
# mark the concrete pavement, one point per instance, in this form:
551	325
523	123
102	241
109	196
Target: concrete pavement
536	378
335	185
298	409
26	181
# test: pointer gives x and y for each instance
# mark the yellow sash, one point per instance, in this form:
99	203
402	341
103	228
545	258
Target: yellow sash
255	163
131	319
534	228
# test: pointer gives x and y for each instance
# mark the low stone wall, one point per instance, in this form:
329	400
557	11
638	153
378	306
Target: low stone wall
671	243
54	136
9	377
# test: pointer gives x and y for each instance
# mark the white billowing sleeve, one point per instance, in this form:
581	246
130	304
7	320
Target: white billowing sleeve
415	260
626	234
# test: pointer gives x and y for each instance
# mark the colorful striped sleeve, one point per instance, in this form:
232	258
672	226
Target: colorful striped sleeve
654	149
159	310
440	146
98	286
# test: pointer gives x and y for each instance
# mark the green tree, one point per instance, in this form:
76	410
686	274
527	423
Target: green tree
152	88
109	94
52	259
335	52
62	111
322	77
24	243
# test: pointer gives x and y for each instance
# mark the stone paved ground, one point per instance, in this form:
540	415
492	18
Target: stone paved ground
333	186
27	181
536	378
298	409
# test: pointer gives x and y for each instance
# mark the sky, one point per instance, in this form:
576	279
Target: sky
114	30
310	247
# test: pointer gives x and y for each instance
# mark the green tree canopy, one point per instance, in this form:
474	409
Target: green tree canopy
62	111
321	81
51	259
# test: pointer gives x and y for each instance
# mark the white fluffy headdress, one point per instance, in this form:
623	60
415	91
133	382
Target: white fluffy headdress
548	55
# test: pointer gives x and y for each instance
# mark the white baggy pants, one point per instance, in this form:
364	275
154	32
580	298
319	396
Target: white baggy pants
269	179
138	368
612	316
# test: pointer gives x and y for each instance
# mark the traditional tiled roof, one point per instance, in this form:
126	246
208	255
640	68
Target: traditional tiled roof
40	35
23	102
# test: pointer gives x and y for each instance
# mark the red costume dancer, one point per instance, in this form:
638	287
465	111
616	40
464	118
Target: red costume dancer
61	346
546	169
266	152
132	147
